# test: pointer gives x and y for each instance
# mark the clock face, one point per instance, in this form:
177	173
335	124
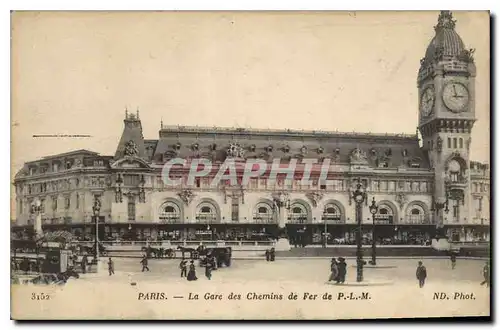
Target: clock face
427	101
456	97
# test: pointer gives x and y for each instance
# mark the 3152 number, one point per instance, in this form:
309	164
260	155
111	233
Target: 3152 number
39	296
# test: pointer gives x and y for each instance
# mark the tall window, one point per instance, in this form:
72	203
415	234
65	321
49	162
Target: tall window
235	208
77	204
449	142
67	202
455	143
20	206
461	143
131	208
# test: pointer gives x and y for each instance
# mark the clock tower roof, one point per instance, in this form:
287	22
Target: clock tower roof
446	42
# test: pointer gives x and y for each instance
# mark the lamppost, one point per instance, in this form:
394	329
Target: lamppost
96	209
373	211
440	224
359	197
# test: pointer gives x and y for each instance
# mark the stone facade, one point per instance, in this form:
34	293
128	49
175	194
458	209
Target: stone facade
428	186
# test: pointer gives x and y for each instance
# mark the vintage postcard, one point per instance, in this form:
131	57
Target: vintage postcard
250	165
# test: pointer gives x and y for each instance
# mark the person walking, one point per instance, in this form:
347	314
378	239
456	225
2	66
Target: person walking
192	272
334	271
208	267
453	259
84	263
486	274
144	263
111	267
421	274
342	266
272	254
267	255
183	267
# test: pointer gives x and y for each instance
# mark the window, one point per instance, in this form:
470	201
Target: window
20	206
235	205
131	180
77	205
169	213
449	142
67	202
461	143
323	187
331	212
197	182
455	143
454	176
206	213
263	213
54	203
131	208
432	144
298	214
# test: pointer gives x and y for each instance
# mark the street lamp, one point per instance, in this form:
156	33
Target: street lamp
438	207
96	209
359	197
373	211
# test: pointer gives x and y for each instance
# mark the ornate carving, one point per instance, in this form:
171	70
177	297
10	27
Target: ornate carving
131	149
118	195
142	195
439	144
467	143
186	196
467	55
314	197
445	21
358	156
280	199
401	199
438	53
235	151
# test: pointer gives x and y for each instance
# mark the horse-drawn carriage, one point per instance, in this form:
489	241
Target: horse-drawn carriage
158	253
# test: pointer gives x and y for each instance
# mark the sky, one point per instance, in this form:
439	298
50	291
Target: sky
75	73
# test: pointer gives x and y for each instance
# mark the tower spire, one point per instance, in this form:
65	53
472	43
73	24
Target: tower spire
445	21
137	113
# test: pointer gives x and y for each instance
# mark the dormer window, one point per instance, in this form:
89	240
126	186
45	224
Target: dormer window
373	152
252	148
177	146
195	147
337	151
388	152
320	150
269	148
286	149
213	146
303	150
405	152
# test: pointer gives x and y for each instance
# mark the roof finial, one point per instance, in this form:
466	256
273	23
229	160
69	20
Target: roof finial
445	21
126	112
137	113
161	123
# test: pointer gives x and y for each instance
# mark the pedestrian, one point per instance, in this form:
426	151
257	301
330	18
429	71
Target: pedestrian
272	254
208	267
486	274
111	267
144	263
342	266
192	272
267	255
334	271
421	274
84	263
183	267
453	259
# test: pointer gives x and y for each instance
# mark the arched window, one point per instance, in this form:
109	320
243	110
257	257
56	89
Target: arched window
170	213
206	213
454	170
263	213
331	212
298	213
415	214
384	215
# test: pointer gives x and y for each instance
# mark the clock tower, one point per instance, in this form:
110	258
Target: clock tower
446	117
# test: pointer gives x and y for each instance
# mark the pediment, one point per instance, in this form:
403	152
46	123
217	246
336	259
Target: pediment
130	162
